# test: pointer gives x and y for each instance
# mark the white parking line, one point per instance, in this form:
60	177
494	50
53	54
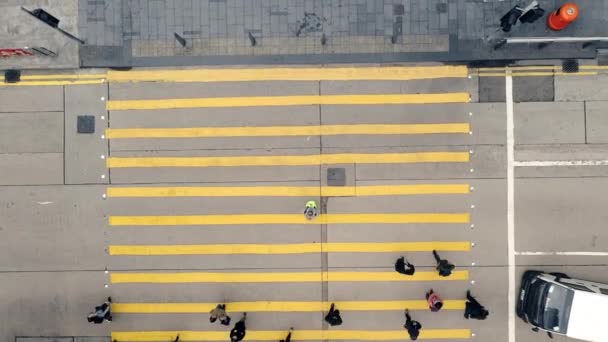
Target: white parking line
564	253
546	163
510	204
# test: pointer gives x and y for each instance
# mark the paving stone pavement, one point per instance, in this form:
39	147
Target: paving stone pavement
142	32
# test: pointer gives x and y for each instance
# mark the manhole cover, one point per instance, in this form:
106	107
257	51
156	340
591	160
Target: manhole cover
12	76
336	176
85	124
570	65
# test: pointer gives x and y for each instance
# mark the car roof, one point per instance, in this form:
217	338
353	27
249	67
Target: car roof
588	317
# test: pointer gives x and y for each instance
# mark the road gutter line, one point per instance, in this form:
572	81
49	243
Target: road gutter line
510	203
578	253
549	163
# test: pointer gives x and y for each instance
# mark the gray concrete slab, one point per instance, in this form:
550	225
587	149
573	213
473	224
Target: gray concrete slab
560	215
57	301
549	123
85	153
533	89
31	99
596	122
581	88
63	227
31	132
31	168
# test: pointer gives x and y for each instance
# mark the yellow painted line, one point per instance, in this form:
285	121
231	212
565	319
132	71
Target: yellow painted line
50	83
292	248
279	277
64	77
298	335
267	306
273	131
299	100
316	159
289	74
251	219
289	191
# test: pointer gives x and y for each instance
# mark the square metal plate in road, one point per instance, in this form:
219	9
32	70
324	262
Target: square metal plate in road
336	176
85	124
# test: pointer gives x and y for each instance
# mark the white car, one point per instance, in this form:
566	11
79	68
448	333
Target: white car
554	303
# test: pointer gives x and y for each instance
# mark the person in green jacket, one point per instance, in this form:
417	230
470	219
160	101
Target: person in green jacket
310	211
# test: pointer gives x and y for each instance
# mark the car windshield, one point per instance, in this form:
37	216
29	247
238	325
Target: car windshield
554	307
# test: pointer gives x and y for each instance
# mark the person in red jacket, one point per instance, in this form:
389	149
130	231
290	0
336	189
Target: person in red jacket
435	302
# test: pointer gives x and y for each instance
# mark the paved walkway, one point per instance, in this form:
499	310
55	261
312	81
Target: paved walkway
142	33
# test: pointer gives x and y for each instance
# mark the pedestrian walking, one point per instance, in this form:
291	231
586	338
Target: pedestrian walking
102	313
238	332
333	316
435	302
473	309
310	211
219	312
404	267
288	338
443	266
413	327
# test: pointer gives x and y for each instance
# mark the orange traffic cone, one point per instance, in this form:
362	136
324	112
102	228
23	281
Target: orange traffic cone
563	16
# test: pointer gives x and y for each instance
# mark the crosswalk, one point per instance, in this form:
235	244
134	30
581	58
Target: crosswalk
183	193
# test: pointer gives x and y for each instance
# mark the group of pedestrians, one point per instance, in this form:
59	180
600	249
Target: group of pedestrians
473	309
238	332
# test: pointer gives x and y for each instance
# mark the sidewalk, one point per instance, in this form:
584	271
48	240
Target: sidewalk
141	33
125	33
18	30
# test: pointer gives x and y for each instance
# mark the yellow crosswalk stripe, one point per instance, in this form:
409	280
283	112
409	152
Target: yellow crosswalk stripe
290	131
267	306
291	248
250	219
279	277
289	191
315	159
306	335
289	74
297	100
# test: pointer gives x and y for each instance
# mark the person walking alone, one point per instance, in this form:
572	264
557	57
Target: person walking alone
288	338
434	301
473	309
238	332
333	316
310	211
404	267
443	266
413	327
219	312
102	313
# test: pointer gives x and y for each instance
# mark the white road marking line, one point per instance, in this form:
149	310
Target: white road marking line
547	163
564	253
510	203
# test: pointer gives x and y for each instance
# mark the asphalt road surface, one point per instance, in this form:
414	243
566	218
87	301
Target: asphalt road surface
191	190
